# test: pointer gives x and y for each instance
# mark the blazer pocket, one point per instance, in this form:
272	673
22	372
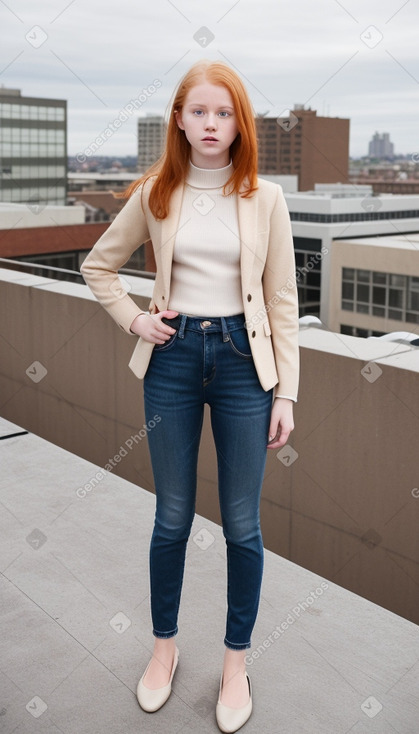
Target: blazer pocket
267	328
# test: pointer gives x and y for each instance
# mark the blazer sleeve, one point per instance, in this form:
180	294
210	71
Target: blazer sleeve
127	232
281	299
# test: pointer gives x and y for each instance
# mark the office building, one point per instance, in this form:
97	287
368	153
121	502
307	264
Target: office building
322	217
314	148
33	149
374	285
151	135
380	146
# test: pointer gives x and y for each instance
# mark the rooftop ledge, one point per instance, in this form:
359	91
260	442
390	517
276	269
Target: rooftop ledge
76	628
396	354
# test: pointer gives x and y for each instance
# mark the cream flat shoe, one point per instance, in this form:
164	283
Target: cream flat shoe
230	719
153	699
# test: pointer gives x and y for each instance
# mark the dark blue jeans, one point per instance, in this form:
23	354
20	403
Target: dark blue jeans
207	360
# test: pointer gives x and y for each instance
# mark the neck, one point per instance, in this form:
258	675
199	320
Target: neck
218	161
208	178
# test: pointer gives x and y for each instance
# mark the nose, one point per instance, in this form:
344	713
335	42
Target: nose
210	122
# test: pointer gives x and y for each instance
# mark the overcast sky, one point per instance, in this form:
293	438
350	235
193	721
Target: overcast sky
354	59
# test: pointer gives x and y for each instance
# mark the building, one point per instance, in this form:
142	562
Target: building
288	184
59	236
33	149
151	136
390	186
110	181
380	146
322	217
53	236
100	206
374	285
314	148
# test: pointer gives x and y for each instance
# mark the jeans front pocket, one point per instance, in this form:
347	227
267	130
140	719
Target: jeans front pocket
239	342
167	345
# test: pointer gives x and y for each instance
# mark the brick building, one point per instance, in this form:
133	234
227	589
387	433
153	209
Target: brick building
314	148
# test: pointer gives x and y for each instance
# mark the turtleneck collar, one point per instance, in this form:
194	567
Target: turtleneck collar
208	178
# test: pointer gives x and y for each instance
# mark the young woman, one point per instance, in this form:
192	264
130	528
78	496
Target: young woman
222	329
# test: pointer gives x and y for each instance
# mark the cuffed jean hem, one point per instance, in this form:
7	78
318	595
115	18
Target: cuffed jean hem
165	635
236	646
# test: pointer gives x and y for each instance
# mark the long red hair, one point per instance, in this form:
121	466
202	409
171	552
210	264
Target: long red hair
171	168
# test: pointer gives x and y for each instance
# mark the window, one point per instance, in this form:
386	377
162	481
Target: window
355	331
348	274
355	216
348	290
25	112
6	110
386	295
6	134
308	275
379	295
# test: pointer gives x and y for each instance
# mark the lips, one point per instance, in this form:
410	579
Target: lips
210	137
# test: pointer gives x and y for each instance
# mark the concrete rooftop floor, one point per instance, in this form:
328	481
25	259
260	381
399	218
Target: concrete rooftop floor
76	628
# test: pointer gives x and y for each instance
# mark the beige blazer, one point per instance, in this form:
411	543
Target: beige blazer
267	266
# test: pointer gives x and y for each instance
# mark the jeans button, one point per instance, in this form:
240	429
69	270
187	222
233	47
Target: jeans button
204	324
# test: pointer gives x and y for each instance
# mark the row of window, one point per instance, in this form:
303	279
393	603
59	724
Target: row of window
17	172
34	150
30	112
378	277
50	194
356	331
387	295
31	135
352	216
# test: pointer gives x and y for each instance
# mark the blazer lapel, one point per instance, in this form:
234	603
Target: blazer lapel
169	229
247	216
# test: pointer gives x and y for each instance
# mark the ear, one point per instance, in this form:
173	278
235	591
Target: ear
178	118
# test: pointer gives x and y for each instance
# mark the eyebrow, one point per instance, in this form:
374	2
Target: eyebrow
220	107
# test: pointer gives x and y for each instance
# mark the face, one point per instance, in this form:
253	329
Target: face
209	122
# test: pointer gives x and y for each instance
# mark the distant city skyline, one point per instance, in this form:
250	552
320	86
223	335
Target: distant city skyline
343	60
381	146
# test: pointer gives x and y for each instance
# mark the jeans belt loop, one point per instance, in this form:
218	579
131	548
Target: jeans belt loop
181	332
226	335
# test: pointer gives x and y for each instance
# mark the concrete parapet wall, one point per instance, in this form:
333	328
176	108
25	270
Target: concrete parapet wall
343	503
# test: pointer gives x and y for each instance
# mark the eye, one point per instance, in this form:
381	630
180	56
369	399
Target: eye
198	113
224	113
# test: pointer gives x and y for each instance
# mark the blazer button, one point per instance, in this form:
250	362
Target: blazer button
253	333
249	297
163	298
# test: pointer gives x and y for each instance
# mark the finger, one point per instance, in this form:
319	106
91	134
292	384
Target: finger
166	315
274	430
161	328
280	441
162	337
165	330
169	314
280	438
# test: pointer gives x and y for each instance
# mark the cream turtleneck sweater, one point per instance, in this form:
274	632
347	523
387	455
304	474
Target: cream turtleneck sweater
206	257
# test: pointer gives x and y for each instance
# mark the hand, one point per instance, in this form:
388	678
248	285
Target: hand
151	328
281	424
